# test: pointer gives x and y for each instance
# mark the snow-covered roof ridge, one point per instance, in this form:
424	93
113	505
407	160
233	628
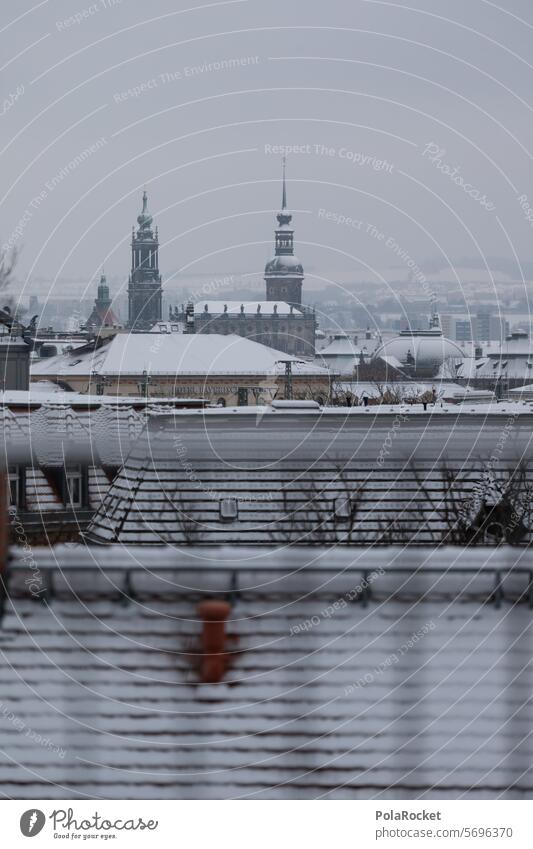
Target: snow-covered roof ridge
175	353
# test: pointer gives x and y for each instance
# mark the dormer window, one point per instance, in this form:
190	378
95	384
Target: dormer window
74	486
16	481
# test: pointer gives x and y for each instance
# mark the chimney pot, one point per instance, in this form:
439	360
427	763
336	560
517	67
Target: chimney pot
214	614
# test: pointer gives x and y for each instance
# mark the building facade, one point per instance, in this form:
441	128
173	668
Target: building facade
144	288
281	321
482	327
278	325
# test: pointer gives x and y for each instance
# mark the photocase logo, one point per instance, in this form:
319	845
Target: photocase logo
32	822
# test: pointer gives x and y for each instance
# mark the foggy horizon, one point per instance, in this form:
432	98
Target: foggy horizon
383	109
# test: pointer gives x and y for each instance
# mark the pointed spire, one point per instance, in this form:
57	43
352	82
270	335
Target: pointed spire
434	321
103	288
284	217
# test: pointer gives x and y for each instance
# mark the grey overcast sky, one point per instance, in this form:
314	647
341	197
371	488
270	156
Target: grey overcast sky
412	119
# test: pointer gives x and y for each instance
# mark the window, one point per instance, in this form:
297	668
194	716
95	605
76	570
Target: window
228	509
74	486
242	396
16	480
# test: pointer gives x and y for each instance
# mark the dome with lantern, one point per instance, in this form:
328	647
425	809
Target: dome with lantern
419	351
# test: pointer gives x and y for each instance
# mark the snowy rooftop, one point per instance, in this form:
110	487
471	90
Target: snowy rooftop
284	472
513	367
422	693
441	409
510	360
174	353
517	344
340	346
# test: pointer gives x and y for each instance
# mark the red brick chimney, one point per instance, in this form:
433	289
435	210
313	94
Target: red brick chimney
214	658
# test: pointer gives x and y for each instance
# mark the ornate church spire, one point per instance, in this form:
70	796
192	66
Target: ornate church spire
284	217
144	290
284	273
102	314
103	288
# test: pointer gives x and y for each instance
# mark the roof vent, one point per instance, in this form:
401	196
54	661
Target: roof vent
228	509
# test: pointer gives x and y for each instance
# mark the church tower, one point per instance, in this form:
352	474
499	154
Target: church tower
103	301
144	289
102	314
284	273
